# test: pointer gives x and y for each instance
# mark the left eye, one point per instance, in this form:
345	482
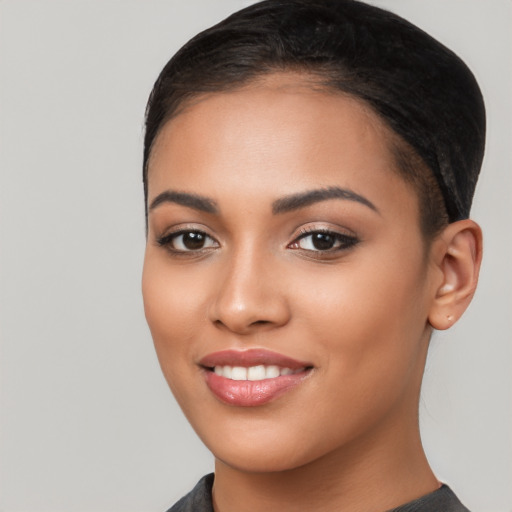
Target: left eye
323	241
187	241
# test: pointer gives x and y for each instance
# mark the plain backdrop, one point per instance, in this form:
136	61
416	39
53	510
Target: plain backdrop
87	422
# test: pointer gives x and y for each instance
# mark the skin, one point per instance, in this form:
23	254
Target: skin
347	437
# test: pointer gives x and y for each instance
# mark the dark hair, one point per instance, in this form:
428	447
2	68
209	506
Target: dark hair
423	91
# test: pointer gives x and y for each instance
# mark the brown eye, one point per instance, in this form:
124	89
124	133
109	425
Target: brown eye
323	241
193	241
187	241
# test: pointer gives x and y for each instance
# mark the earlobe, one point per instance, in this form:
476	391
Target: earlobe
458	256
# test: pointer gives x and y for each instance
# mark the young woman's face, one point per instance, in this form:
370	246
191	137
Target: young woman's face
285	283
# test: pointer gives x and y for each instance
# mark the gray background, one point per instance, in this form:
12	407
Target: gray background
87	422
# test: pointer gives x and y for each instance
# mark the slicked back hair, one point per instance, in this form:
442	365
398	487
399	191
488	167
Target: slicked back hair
425	94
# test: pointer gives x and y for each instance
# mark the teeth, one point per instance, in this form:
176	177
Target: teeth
259	372
239	373
256	373
274	371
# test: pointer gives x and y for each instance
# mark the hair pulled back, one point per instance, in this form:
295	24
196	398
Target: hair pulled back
426	95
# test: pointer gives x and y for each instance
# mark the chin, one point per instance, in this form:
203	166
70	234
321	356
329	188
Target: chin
263	448
257	461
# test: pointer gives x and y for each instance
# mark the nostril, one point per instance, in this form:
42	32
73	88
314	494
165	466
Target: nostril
261	322
246	313
245	327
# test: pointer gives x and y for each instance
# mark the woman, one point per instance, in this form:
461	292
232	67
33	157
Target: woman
309	168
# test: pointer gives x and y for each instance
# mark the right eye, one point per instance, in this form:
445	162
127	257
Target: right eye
187	241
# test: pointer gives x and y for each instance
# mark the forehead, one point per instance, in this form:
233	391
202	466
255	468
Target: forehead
273	137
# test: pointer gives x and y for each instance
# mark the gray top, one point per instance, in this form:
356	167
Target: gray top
442	500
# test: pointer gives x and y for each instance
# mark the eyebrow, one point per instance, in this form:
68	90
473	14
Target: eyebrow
303	199
195	201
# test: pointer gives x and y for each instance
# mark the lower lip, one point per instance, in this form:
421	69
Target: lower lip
251	393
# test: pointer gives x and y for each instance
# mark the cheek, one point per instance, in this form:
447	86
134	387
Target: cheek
174	308
368	319
369	332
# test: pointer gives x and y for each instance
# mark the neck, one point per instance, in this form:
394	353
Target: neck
375	473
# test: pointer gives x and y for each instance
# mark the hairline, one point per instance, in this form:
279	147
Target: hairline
316	81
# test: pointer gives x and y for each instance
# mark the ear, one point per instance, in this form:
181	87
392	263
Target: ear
457	253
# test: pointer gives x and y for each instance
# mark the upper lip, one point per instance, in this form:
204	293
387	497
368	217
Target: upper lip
251	357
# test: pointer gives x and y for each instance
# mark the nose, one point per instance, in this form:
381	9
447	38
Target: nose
250	295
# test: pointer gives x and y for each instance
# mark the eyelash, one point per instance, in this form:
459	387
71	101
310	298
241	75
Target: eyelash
343	241
168	240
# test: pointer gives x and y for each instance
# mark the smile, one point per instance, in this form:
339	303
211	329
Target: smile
260	372
253	377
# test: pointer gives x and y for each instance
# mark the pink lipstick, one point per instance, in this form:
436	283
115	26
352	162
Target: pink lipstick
252	377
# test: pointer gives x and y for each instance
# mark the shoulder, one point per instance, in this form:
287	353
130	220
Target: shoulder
199	499
443	500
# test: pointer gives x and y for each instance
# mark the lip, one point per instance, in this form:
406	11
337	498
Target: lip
245	393
251	357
